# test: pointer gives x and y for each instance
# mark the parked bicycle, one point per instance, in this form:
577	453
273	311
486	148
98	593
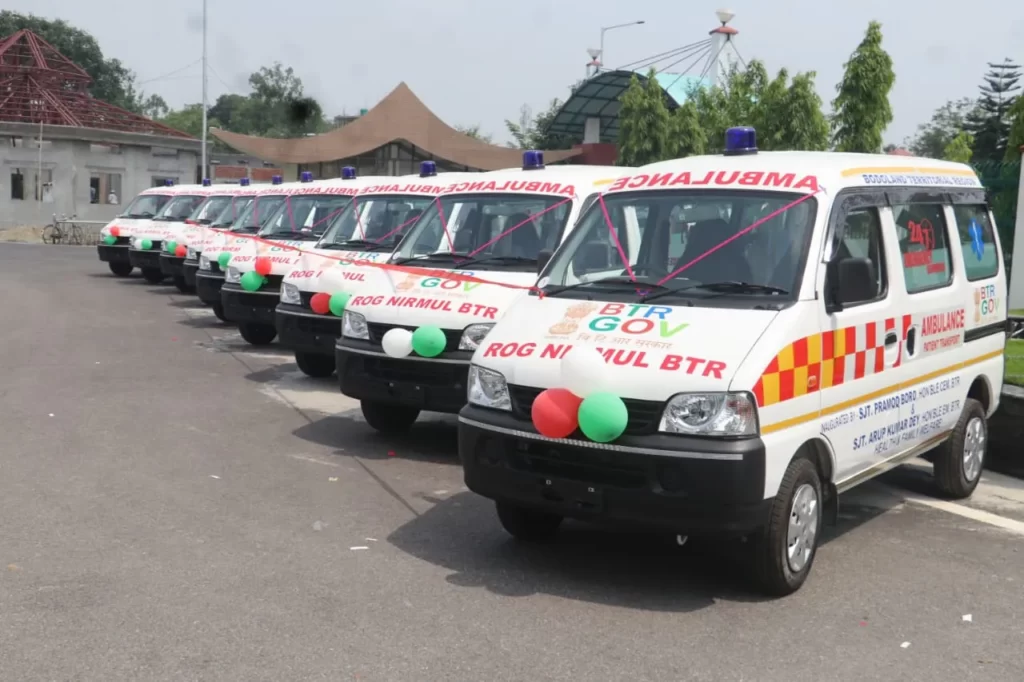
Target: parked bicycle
63	231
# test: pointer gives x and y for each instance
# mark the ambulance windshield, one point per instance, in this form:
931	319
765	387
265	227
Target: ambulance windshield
232	211
180	207
711	244
304	217
487	231
257	213
372	222
145	206
207	211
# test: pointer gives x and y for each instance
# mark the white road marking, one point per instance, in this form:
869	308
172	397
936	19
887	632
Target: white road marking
1007	524
314	460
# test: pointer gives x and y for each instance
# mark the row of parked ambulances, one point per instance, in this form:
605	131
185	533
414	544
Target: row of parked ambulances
714	345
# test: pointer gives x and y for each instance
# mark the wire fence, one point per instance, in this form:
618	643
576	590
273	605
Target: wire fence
73	231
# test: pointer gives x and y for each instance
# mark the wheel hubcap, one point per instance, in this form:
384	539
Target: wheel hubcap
974	448
803	527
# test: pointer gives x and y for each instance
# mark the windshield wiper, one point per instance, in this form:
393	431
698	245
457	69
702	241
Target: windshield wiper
437	255
138	216
358	245
292	236
726	286
248	229
503	259
642	286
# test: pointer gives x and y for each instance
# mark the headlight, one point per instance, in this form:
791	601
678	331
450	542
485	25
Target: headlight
204	263
487	388
191	254
290	294
353	325
134	241
234	275
710	414
473	335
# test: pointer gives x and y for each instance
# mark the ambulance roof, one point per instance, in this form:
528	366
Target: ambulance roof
795	172
330	186
414	183
176	189
558	180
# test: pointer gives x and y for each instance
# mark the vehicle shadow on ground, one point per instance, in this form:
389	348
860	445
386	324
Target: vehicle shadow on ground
610	566
232	342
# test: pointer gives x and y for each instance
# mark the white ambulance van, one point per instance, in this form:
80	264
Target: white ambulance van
220	206
252	283
726	343
149	238
116	235
367	229
216	246
497	228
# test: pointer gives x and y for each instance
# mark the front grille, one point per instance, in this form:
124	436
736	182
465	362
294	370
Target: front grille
377	330
423	373
644	415
555	460
314	325
120	241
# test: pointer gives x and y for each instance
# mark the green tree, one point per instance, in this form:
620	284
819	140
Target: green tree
1015	139
112	82
278	106
959	148
946	123
687	133
861	109
532	132
189	119
154	107
474	132
228	110
645	125
990	122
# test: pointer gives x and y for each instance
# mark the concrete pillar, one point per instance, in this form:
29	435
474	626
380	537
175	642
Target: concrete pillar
592	131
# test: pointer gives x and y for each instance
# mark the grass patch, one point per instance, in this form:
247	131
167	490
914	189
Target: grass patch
1017	313
1015	362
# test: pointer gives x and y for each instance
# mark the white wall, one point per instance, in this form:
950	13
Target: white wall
1017	263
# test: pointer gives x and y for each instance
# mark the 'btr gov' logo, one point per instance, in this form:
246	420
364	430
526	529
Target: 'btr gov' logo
985	302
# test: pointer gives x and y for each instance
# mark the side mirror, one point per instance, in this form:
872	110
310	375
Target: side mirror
542	260
855	281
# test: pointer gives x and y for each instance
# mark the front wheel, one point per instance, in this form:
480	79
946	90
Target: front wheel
183	287
258	334
315	365
388	419
528	525
120	269
52	234
959	461
218	310
785	548
152	275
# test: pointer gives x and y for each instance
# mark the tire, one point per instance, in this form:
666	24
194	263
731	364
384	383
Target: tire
800	495
51	234
258	334
528	525
388	419
956	472
314	365
218	310
121	269
152	275
183	287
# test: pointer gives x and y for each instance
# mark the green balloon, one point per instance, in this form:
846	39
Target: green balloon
603	417
338	302
146	244
252	281
171	246
429	341
222	260
109	240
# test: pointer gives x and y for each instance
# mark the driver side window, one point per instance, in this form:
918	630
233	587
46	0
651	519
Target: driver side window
862	238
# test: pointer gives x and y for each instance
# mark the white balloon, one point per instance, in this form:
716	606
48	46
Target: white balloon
584	372
397	342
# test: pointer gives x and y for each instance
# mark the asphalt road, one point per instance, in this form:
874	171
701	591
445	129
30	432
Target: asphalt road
177	507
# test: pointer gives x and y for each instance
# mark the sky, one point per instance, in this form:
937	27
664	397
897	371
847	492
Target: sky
477	63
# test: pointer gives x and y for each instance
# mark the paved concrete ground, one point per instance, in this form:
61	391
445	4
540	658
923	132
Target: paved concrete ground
177	507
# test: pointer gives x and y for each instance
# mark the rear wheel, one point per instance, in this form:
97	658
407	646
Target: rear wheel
388	419
183	287
218	310
121	269
959	461
528	525
315	365
152	275
258	334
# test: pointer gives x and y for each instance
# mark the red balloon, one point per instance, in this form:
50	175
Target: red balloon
263	266
115	231
180	251
320	303
554	412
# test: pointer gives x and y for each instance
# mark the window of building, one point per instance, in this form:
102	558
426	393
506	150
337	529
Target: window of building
924	246
105	188
17	185
977	241
862	238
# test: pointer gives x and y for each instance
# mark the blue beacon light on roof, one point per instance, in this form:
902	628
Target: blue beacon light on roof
740	140
168	183
276	180
348	173
428	169
307	176
533	160
206	182
244	182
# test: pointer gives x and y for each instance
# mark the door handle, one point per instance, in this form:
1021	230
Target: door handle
891	339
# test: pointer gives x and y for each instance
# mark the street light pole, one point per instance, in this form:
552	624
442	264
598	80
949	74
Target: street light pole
605	29
202	173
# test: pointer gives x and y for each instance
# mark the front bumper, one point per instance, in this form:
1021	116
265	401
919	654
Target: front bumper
172	266
114	253
189	270
249	307
144	259
208	286
306	331
365	372
681	484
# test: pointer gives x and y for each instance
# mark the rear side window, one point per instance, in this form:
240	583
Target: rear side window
977	241
924	246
